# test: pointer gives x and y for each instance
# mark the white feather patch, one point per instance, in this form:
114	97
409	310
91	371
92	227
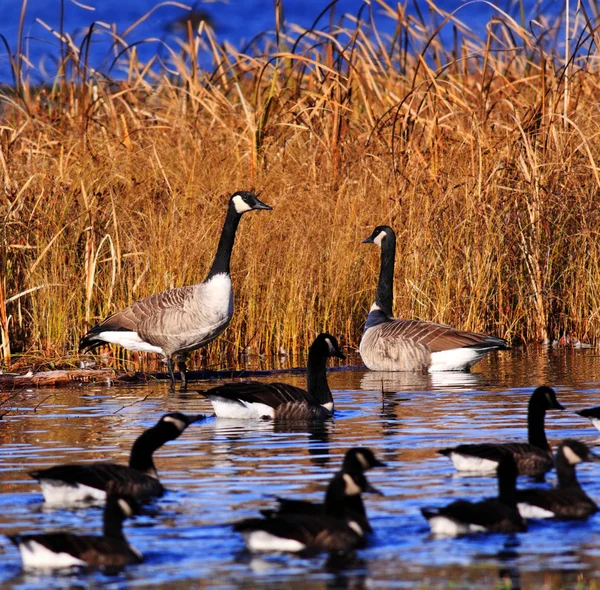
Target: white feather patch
240	205
455	359
442	526
351	489
374	307
380	237
130	341
59	493
470	463
179	424
263	541
596	422
240	410
533	511
35	555
570	455
328	406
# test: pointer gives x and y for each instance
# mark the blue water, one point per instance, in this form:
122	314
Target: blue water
237	22
220	471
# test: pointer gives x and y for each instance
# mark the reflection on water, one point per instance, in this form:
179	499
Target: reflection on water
220	471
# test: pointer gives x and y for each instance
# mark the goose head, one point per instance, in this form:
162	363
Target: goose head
172	425
360	459
575	452
244	201
327	345
380	233
545	397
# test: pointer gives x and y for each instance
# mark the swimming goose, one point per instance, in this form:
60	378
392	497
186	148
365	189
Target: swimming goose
87	482
66	550
568	501
389	344
178	321
492	515
356	461
593	414
533	458
251	399
337	530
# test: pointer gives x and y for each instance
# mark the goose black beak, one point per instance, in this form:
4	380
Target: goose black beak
368	240
373	490
559	406
378	463
340	355
260	205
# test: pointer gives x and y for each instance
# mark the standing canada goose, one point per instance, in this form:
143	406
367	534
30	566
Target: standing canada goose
389	344
178	321
356	461
568	501
336	530
533	458
66	550
87	482
593	414
493	515
252	399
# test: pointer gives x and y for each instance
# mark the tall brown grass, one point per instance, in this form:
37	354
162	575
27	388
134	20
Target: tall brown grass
115	189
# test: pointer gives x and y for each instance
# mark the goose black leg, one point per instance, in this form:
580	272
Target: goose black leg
182	373
171	374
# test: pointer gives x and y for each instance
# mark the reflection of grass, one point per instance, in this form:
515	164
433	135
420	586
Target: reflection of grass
114	190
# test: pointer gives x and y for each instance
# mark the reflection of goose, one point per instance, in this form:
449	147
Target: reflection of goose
568	501
394	381
533	458
389	344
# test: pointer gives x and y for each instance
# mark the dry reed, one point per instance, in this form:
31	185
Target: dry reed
116	189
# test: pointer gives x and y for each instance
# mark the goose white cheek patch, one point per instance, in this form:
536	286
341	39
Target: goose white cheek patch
240	205
379	238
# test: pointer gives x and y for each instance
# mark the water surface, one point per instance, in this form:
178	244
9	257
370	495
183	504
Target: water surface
220	471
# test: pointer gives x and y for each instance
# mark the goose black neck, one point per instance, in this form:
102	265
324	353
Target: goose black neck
223	256
535	426
337	503
316	377
140	458
507	485
113	519
567	477
385	286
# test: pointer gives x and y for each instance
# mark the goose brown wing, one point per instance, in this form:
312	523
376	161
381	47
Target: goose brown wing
270	394
436	337
97	475
133	317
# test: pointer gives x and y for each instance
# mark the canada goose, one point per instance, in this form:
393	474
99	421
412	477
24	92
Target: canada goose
533	458
178	321
568	501
87	482
337	530
388	344
356	461
593	414
253	399
66	550
493	515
